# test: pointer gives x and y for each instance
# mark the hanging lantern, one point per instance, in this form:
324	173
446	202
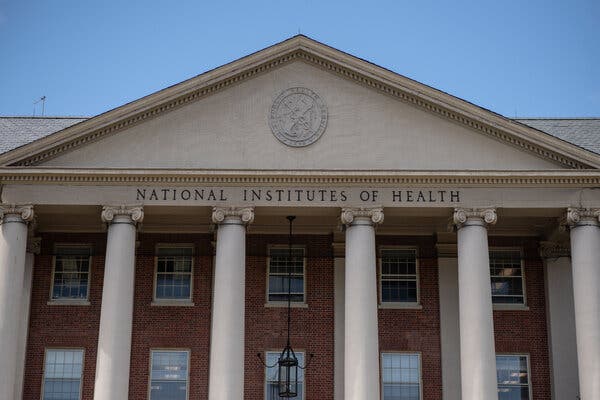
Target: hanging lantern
288	373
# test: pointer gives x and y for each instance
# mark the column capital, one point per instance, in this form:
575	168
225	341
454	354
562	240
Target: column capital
134	213
485	216
16	212
34	245
582	216
554	250
374	214
244	214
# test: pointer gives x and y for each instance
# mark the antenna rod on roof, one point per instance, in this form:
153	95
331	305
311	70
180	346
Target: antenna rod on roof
43	100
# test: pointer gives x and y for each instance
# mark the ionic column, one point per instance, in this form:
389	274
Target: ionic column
585	260
116	316
477	350
33	248
226	376
361	344
13	242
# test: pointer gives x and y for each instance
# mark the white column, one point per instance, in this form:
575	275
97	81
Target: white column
477	350
585	259
33	248
226	375
361	344
116	315
13	241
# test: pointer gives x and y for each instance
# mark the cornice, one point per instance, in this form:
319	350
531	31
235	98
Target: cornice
324	57
149	177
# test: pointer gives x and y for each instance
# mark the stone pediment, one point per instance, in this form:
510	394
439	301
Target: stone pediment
374	120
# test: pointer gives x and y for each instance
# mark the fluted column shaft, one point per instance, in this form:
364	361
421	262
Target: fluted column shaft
477	350
585	260
361	340
13	242
116	316
226	375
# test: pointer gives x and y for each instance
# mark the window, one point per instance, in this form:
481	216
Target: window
62	374
272	376
174	273
169	375
506	271
513	377
71	272
399	276
280	266
401	376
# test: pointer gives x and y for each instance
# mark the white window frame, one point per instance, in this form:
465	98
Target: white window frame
65	300
173	302
278	352
417	353
63	349
270	303
510	306
528	358
392	304
170	350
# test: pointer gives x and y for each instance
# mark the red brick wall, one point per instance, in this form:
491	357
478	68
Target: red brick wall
312	327
525	332
407	330
61	326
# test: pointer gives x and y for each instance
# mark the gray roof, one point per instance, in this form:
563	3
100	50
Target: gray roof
17	131
582	132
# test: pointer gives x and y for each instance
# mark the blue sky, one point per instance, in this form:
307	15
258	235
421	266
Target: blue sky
524	58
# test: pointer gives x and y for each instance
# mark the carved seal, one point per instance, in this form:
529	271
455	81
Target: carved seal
298	117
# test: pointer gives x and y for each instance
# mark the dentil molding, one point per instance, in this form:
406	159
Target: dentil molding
245	214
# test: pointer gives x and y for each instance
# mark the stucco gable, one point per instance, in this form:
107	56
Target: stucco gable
377	120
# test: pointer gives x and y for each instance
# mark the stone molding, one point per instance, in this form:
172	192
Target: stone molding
24	212
245	214
323	57
135	213
462	215
554	250
375	214
576	216
182	177
34	245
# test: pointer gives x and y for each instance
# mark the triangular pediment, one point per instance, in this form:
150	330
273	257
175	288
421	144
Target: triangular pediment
375	120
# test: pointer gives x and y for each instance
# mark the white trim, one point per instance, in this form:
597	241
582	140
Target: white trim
173	302
82	349
299	304
391	304
71	301
170	350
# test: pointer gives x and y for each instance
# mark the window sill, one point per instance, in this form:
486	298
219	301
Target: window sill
283	304
401	306
510	307
172	303
68	303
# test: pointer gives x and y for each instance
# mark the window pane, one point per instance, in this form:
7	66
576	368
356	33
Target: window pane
62	374
169	375
272	376
174	273
513	377
398	275
280	267
71	272
506	276
401	376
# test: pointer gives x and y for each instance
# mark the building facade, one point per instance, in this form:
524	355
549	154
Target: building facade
439	250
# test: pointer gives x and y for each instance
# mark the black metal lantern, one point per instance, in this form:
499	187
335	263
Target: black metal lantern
287	364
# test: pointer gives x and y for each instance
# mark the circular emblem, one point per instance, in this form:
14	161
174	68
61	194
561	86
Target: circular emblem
298	117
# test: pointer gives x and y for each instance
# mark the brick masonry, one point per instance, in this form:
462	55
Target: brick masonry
157	327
